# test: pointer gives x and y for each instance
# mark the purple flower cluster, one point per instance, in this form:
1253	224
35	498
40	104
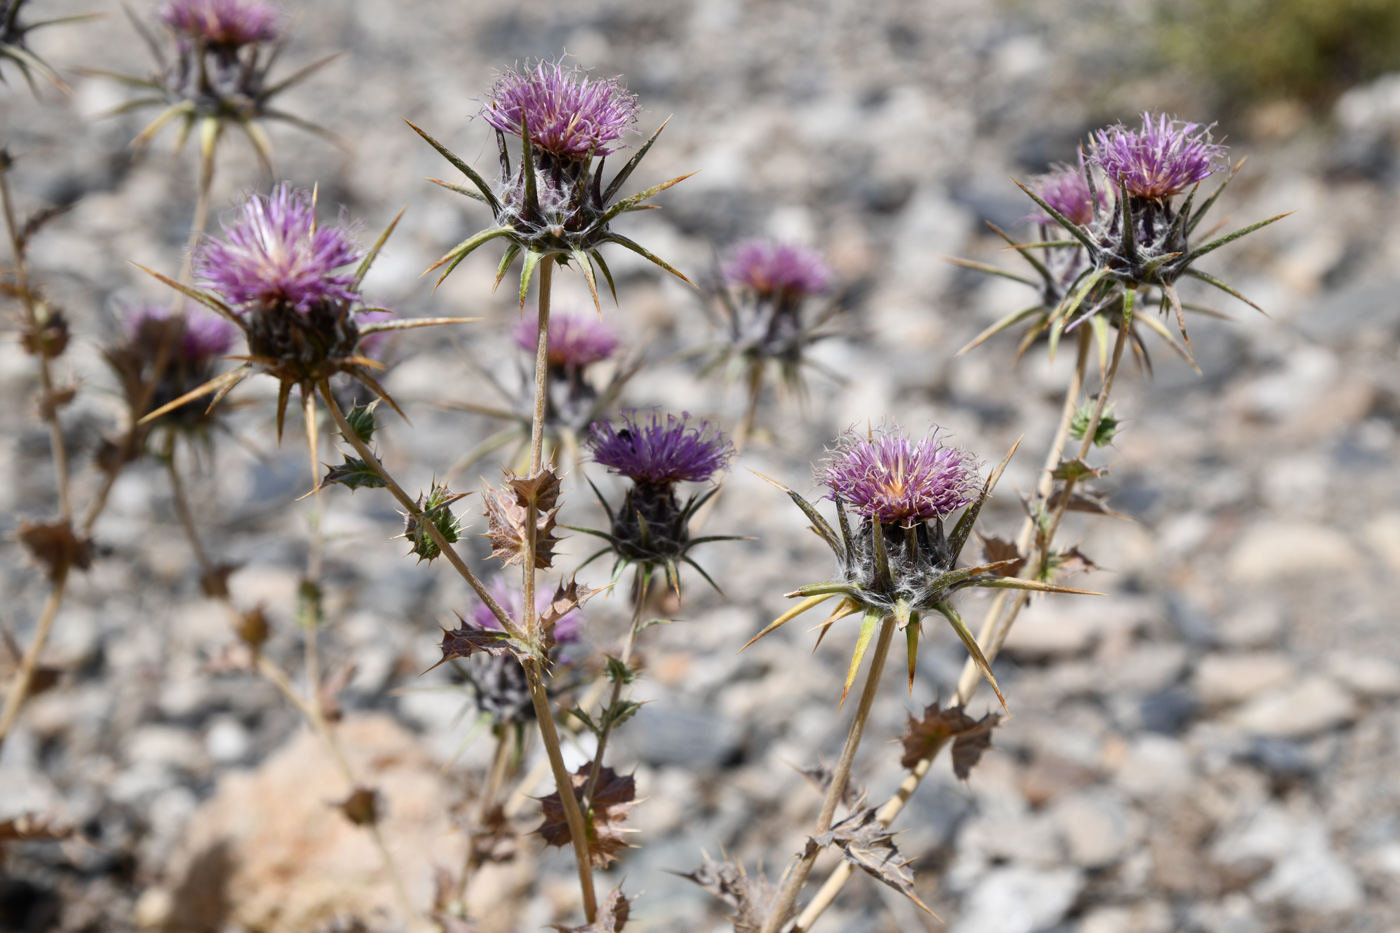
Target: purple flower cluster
567	630
1163	158
1066	189
777	270
575	340
568	115
658	452
275	254
224	23
888	477
202	338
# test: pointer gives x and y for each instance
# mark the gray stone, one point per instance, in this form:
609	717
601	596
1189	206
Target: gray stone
1015	899
1222	679
1300	709
1097	828
1277	550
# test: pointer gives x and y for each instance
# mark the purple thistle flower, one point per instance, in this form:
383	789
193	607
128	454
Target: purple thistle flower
777	270
276	254
224	23
566	630
203	337
657	453
1067	191
568	115
888	477
1159	160
575	340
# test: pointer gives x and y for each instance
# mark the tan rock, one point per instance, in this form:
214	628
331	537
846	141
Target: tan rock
1222	679
271	853
1276	550
1307	707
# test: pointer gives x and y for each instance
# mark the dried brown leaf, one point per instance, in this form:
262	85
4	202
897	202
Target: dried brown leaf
215	582
821	776
468	640
362	807
753	897
252	627
611	918
494	839
1068	563
507	511
613	800
56	546
567	597
970	737
1086	501
969	745
870	847
996	550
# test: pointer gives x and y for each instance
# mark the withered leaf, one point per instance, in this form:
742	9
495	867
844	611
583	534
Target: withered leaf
507	511
48	337
997	549
611	918
215	583
1069	562
252	627
494	839
971	737
1086	501
56	546
753	897
821	776
870	847
613	799
970	744
467	640
567	597
362	807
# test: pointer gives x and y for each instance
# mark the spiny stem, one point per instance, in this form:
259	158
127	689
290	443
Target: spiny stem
990	639
453	558
182	510
642	579
840	777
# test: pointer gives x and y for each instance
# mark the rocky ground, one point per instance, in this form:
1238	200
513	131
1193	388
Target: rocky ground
1210	747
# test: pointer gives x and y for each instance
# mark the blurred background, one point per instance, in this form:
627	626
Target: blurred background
1211	747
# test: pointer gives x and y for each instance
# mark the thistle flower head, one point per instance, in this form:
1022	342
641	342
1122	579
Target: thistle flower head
568	115
222	23
575	340
885	476
660	453
1164	157
1067	191
566	631
275	254
782	271
202	336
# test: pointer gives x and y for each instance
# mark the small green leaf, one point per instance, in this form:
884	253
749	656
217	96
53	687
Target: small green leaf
354	473
1075	469
619	712
619	672
361	420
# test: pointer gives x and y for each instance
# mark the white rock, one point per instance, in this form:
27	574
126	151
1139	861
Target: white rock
1366	676
1230	678
1018	900
227	742
1301	709
1155	766
1097	829
1383	535
1276	550
1307	874
1256	625
164	745
1150	917
1062	628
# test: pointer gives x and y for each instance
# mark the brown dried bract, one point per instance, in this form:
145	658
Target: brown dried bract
494	839
613	800
507	511
567	597
971	737
869	846
612	915
822	776
56	546
997	549
753	897
361	807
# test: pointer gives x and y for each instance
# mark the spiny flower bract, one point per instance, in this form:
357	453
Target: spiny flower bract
224	23
575	340
568	115
782	271
660	453
275	253
887	476
1165	157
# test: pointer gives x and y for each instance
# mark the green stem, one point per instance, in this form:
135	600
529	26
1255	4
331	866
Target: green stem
642	579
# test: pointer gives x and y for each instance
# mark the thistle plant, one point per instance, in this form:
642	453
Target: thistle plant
15	49
765	295
553	205
1120	251
651	528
